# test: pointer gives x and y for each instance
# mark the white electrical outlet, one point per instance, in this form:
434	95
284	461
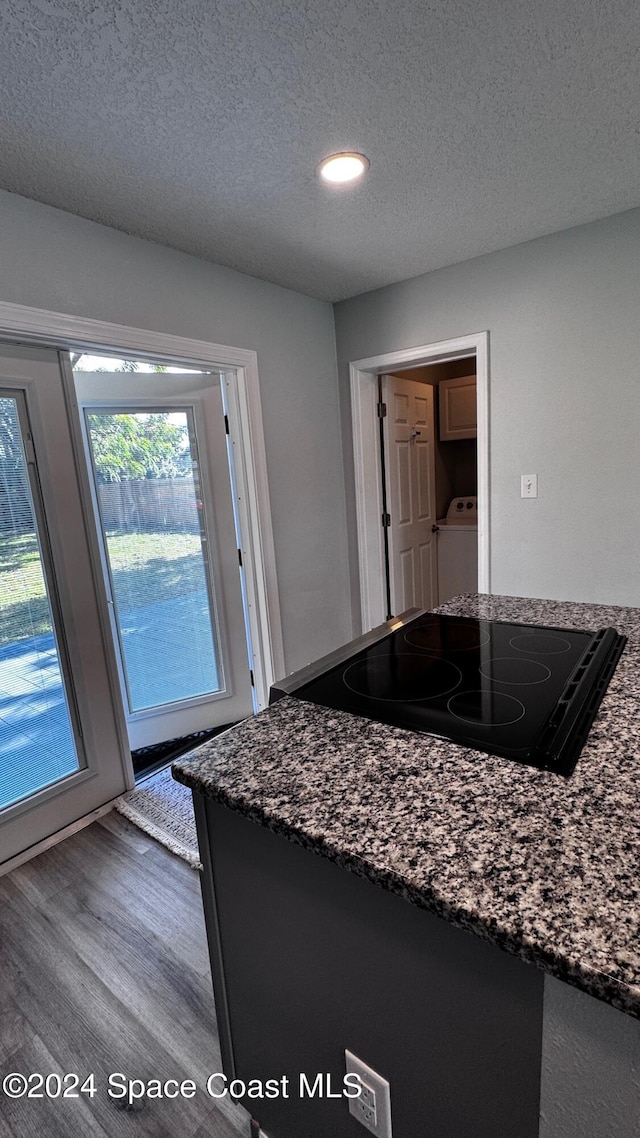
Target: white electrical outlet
372	1107
528	485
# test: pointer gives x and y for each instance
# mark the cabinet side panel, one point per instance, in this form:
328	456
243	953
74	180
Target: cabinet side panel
212	925
317	960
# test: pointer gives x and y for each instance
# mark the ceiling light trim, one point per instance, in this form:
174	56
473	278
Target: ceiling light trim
343	167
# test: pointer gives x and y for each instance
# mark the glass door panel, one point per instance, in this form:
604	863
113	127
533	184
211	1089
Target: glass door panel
37	738
156	446
62	734
156	547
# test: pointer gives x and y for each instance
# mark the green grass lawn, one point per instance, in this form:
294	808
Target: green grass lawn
146	568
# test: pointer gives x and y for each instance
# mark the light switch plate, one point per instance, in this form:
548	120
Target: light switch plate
528	485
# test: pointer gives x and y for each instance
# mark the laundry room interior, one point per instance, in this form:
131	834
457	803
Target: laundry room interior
456	471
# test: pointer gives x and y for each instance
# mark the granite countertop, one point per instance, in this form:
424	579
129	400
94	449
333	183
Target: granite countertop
544	867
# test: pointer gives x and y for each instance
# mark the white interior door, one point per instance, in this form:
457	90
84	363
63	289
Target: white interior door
411	497
61	747
170	552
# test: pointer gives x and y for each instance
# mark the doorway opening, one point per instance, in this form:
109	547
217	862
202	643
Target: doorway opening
155	446
39	373
430	482
415	457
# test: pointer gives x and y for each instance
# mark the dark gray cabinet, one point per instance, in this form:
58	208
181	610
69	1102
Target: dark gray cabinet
309	959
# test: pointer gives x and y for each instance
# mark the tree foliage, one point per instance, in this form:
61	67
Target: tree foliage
10	441
131	446
15	506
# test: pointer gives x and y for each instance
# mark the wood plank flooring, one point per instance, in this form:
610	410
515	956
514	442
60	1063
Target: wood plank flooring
104	968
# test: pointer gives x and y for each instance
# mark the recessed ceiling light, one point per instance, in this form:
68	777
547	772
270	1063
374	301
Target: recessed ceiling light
345	167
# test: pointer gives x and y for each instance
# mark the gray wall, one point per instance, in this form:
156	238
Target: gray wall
562	314
50	259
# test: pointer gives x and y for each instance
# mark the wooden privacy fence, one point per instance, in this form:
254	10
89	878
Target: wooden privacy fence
150	506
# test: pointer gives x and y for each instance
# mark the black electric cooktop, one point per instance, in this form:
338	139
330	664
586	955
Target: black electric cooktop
525	692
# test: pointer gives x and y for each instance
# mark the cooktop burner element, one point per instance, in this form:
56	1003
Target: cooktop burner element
460	635
486	708
525	692
543	644
515	670
409	676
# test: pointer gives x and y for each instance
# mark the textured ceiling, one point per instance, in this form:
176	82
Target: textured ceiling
200	124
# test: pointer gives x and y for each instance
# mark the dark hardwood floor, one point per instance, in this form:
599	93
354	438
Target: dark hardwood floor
104	968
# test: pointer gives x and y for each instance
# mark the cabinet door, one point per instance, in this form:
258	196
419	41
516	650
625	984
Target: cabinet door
457	403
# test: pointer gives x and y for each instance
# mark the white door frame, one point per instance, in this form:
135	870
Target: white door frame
366	460
244	411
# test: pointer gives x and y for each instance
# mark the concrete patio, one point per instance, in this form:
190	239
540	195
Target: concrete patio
169	657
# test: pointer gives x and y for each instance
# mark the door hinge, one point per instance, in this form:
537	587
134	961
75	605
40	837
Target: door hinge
240	558
253	682
226	424
386	520
382	410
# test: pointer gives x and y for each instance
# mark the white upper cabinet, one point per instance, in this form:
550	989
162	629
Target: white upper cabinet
457	404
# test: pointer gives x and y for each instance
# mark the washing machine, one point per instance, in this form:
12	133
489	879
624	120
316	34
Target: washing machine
457	541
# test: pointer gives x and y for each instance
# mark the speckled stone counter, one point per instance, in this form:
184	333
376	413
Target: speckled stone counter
544	867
